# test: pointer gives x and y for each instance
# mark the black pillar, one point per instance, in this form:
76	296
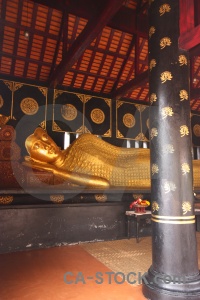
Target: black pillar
174	272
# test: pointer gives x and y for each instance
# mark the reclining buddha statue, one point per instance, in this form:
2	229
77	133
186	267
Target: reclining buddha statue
90	161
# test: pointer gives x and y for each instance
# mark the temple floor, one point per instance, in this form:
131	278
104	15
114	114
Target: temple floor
41	274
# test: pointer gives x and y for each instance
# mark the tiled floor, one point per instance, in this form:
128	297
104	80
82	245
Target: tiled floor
39	275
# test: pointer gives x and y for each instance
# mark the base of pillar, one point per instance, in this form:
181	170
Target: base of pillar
162	287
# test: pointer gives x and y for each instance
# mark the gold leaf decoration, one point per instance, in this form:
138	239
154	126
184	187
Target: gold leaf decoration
153	132
147	123
119	134
164	9
140	107
168	149
184	130
5	200
9	84
100	197
183	95
108	101
86	130
80	130
166	112
169	186
152	30
29	106
166	41
166	76
1	101
185	168
58	199
57	93
69	112
182	60
43	90
56	127
129	120
97	116
119	103
186	207
17	86
196	130
155	206
153	98
152	64
154	169
107	133
43	124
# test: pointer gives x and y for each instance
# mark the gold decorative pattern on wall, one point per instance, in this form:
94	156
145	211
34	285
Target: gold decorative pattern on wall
168	149
154	169
196	130
100	197
29	106
69	112
185	168
129	120
1	101
57	199
6	200
153	132
155	206
169	186
97	116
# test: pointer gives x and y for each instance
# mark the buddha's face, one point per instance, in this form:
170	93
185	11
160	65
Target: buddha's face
41	147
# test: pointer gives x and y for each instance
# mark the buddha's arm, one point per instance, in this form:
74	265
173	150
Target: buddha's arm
75	178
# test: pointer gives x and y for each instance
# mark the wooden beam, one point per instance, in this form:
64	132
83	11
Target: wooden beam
190	39
133	84
89	33
186	21
87	8
195	93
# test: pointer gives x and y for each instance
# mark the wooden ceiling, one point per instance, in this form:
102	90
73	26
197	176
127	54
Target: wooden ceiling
98	47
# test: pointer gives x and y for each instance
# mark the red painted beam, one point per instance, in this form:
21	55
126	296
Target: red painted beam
89	33
190	39
186	21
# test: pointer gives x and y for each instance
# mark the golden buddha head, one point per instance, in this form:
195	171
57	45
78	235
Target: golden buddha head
41	147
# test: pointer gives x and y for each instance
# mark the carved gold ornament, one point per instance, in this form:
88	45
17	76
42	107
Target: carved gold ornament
166	41
183	95
196	130
186	207
166	112
147	123
100	197
6	200
182	60
184	130
153	133
129	120
185	168
153	98
154	169
152	64
57	198
1	101
168	149
97	116
155	206
29	106
164	8
152	30
169	186
166	76
69	112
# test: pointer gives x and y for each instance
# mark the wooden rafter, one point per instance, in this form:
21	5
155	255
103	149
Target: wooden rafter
136	82
91	30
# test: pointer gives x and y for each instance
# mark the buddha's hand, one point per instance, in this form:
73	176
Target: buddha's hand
37	165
